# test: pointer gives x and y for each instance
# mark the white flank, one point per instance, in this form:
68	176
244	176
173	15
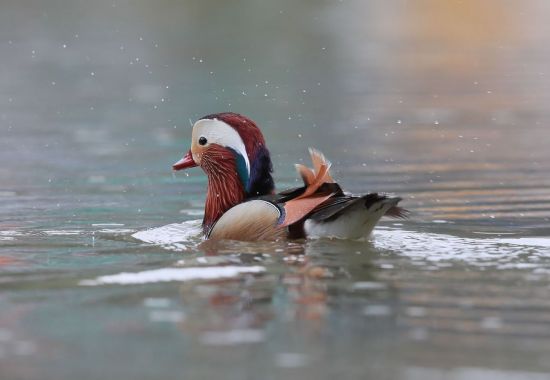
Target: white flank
172	274
355	223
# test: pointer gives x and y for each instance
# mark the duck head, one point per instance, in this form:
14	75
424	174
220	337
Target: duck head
231	150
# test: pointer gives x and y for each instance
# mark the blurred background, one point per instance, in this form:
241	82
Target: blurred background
443	103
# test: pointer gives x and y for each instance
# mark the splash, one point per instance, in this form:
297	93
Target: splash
172	274
175	236
434	248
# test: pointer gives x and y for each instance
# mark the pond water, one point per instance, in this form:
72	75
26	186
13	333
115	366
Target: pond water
102	274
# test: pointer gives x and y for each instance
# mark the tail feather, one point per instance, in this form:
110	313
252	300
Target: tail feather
398	212
318	159
316	177
308	175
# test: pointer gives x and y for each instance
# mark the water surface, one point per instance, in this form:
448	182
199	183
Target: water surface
443	104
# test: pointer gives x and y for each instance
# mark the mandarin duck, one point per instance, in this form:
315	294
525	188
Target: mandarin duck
241	203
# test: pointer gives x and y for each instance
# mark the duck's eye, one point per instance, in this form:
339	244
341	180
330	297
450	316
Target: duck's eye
202	140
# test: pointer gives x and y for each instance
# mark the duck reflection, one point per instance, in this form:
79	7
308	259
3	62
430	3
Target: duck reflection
297	286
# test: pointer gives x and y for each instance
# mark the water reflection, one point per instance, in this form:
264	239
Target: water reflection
295	287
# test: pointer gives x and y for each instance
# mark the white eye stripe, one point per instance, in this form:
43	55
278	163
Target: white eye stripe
218	132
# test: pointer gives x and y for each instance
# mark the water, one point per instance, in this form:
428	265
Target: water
444	104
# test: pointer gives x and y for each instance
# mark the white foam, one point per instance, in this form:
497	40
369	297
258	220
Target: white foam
116	231
530	242
63	232
228	338
172	234
441	247
368	285
376	310
172	274
11	233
